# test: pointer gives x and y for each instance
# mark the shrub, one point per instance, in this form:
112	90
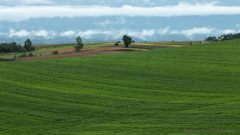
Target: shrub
23	55
116	44
30	55
55	52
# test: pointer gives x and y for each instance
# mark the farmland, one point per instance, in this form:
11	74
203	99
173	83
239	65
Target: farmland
160	91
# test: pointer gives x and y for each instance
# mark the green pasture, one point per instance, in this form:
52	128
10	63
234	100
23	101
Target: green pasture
11	55
162	91
174	43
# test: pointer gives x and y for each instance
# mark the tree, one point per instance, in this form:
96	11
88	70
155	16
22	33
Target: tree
133	41
116	44
79	44
127	40
28	45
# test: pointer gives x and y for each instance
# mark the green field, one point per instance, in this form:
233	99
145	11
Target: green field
10	56
162	91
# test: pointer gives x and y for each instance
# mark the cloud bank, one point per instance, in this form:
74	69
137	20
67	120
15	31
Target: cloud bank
23	33
144	34
21	13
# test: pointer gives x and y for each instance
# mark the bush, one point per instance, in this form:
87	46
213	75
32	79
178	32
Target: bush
30	55
116	44
55	52
23	55
32	48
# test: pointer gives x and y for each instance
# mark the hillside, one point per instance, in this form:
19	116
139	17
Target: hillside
163	91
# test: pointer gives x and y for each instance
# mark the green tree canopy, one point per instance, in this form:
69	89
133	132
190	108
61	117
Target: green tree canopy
127	40
79	44
28	44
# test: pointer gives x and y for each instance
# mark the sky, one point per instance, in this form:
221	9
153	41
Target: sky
56	21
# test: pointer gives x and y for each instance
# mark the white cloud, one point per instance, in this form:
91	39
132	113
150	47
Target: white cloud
174	32
147	2
144	34
69	33
114	34
24	33
121	20
142	2
104	23
21	33
37	1
163	31
44	33
21	13
238	25
227	31
89	33
190	32
28	2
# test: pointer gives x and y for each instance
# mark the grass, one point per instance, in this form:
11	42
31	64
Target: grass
176	43
163	91
9	56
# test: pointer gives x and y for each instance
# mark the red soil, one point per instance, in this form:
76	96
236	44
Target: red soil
90	52
79	54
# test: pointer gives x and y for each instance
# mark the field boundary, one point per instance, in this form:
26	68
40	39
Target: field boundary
79	54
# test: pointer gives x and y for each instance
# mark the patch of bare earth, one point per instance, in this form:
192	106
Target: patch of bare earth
107	48
89	52
78	54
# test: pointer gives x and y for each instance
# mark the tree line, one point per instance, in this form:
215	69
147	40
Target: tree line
223	37
13	47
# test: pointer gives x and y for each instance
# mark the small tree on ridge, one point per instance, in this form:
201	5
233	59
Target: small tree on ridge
127	40
79	44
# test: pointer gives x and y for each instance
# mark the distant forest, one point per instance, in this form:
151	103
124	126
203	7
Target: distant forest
13	47
223	37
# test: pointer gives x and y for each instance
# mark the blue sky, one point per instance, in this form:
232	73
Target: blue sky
109	20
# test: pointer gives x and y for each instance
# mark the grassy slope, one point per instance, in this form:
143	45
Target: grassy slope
148	92
18	54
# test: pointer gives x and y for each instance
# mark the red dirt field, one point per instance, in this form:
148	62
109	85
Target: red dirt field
78	54
90	51
107	48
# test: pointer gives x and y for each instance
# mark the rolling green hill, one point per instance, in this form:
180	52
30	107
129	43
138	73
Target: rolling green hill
164	91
